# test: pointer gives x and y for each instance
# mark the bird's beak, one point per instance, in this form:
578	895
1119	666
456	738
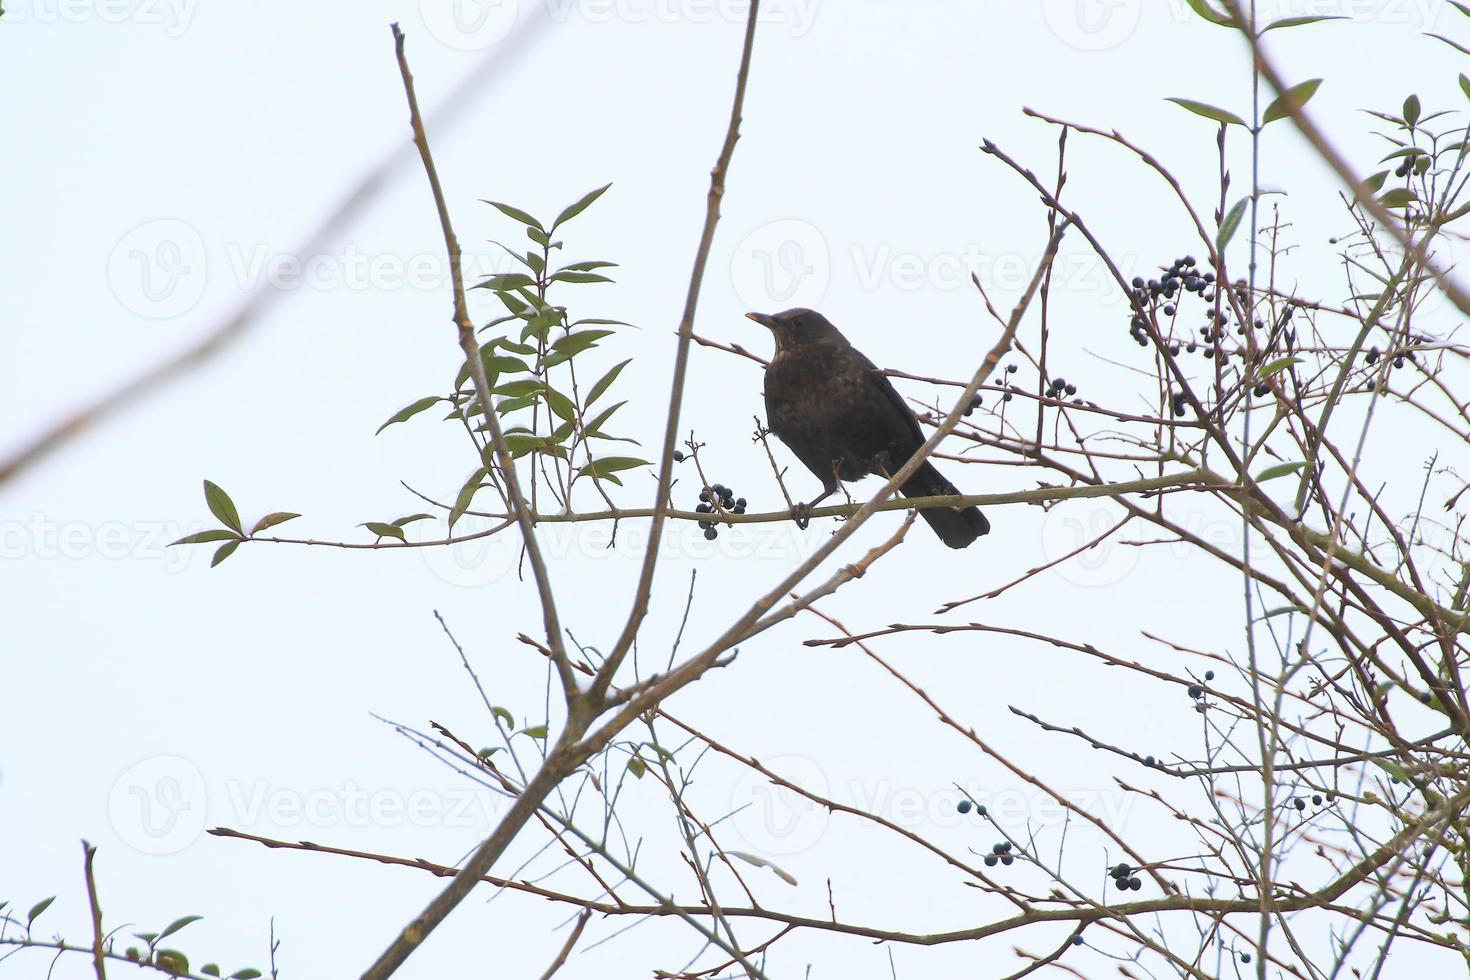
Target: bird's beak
764	319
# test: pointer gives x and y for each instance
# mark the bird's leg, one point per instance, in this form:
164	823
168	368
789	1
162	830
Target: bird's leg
802	512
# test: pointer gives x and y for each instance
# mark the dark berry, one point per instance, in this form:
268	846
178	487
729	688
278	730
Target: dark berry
1138	282
1196	692
1316	799
678	456
1121	871
704	494
1071	389
703	509
1188	260
1169	310
1398	362
991	860
1208	277
739	507
980	809
1261	390
1245	957
1076	940
710	534
997	848
1149	760
1006	397
1010	369
1007	860
1209	675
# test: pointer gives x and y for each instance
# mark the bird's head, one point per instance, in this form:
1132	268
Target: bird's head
797	327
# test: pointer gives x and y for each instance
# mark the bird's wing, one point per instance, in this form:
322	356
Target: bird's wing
879	382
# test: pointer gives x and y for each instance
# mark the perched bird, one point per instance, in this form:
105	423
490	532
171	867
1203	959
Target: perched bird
842	418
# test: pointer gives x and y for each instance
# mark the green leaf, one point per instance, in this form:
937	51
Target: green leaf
579	277
509	405
1460	7
37	909
1280	469
515	213
1375	182
221	506
1398	197
1412	110
1209	111
1465	86
597	319
1393	769
515	348
606	414
1277	366
605	382
412	519
1294	97
535	731
1458	47
409	411
271	520
1300	21
210	969
577	342
466	495
571	345
171	961
504	281
572	210
384	530
637	767
563	406
223	551
611	464
1230	224
519	388
538	236
178	924
1210	14
248	973
586	266
204	537
504	715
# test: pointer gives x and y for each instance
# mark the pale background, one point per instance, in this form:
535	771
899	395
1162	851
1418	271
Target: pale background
146	696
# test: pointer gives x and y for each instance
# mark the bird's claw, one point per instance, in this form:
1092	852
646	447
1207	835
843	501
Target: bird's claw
802	514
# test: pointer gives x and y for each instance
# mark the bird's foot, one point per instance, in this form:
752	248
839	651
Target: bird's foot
802	514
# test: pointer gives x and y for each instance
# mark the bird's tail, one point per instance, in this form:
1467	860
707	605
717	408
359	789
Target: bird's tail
957	527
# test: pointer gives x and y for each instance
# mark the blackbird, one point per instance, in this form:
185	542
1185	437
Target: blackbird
842	418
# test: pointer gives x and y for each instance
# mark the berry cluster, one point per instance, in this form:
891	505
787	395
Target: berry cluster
964	807
1374	354
1124	878
1300	802
1183	274
717	499
1058	388
1000	854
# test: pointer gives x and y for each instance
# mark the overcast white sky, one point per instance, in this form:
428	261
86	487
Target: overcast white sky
166	155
